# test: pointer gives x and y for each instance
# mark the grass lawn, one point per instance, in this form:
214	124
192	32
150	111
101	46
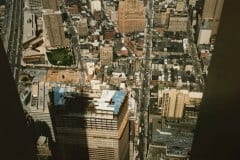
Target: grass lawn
61	57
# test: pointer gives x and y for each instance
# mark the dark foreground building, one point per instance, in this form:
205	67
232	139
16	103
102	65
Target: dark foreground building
218	131
17	134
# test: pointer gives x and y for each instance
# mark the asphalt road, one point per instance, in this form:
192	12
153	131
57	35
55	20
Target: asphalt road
145	89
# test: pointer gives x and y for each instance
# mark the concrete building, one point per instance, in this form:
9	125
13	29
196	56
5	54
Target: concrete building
55	30
192	2
110	10
43	151
117	78
38	110
173	101
91	125
106	54
204	36
181	5
81	25
108	31
178	23
161	19
90	70
35	6
73	9
33	57
131	16
51	4
29	27
170	140
212	11
95	6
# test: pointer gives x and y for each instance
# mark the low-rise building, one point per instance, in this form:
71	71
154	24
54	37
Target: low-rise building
170	140
53	24
81	25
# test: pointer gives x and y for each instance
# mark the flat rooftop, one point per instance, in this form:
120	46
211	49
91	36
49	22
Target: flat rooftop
110	100
157	153
29	28
177	141
64	76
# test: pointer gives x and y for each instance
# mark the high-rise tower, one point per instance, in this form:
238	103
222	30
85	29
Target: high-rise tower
92	125
212	12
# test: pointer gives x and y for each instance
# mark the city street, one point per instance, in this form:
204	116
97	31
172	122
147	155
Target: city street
145	90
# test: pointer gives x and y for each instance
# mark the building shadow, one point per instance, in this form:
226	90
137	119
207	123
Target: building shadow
42	129
70	131
16	133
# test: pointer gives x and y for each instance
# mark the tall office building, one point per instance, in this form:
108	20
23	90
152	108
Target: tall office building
212	12
55	30
173	101
131	16
90	125
106	54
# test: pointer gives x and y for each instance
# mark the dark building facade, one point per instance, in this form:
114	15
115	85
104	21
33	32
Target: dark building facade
217	130
91	128
17	134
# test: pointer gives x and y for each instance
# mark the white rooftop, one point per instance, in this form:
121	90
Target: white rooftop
198	95
107	95
110	100
29	27
35	90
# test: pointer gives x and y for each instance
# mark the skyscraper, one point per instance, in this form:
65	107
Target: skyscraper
173	101
106	54
90	125
212	12
131	16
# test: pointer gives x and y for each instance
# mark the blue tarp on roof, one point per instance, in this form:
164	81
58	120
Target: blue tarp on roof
58	97
117	100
